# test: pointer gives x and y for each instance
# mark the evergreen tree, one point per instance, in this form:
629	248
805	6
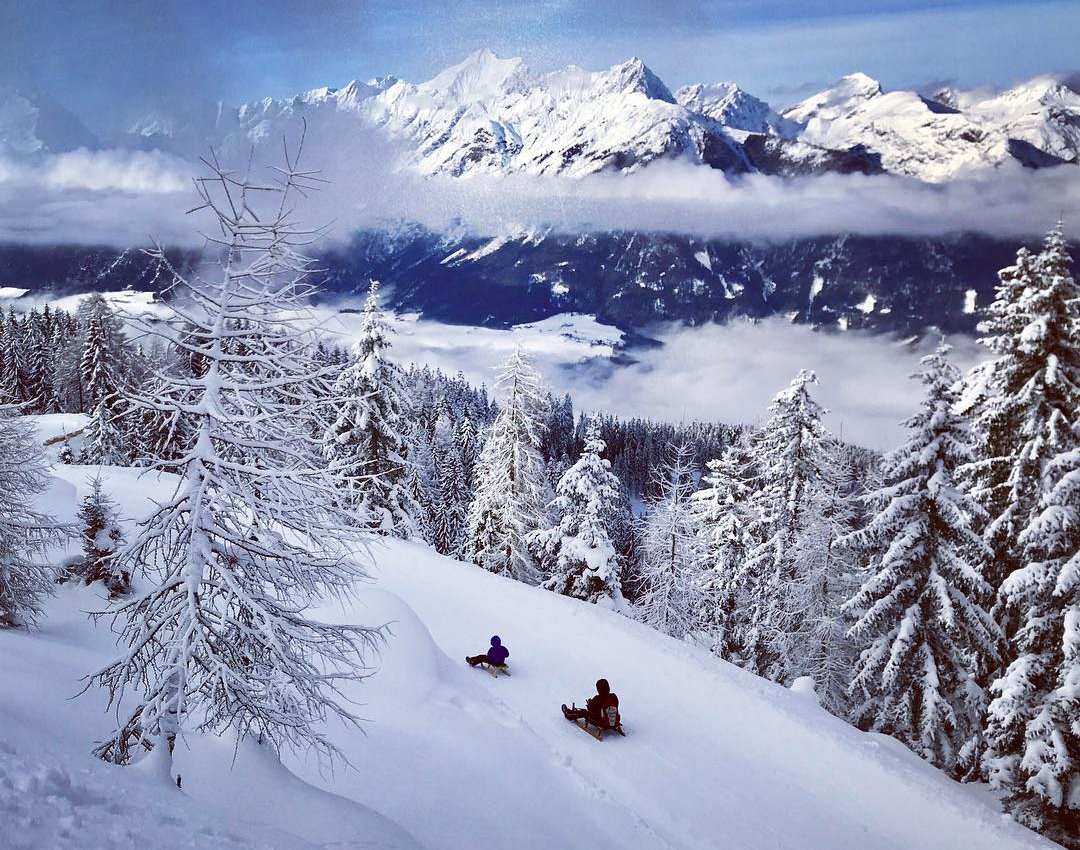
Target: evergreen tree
101	537
788	454
1023	401
365	446
1033	727
577	553
919	619
511	484
452	499
723	521
13	375
104	437
39	367
826	579
669	551
25	535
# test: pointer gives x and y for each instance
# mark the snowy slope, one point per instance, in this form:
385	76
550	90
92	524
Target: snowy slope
714	758
1036	123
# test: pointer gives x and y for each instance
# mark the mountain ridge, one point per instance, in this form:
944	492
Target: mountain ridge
489	115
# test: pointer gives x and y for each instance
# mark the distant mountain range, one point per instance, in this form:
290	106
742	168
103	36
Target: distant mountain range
488	115
492	116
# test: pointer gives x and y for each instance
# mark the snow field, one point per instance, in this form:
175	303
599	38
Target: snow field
714	758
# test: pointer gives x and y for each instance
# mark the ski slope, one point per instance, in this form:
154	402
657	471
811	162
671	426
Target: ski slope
452	758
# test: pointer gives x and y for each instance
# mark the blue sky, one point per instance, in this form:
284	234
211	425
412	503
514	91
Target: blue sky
102	58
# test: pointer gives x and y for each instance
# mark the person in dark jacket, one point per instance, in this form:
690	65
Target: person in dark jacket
596	710
495	656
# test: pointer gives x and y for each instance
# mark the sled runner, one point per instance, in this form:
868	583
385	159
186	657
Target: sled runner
591	728
495	670
597	731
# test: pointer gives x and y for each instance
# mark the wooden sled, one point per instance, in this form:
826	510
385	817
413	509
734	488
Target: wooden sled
495	671
597	731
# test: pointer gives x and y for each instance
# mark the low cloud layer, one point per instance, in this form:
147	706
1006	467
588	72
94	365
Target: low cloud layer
124	197
726	373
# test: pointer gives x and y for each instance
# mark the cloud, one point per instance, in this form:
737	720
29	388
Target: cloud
122	197
723	373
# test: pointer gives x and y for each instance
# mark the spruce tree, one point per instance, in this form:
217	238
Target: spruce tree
723	521
577	553
1024	400
1033	727
920	624
452	498
670	555
365	446
511	485
26	535
101	538
787	452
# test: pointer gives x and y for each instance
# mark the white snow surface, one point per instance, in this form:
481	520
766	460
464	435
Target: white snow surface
12	292
937	141
714	757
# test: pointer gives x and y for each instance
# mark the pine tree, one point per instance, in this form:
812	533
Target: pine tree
511	483
364	445
825	579
787	452
1023	401
250	537
451	503
1033	726
101	538
669	551
723	521
919	619
13	377
25	535
577	553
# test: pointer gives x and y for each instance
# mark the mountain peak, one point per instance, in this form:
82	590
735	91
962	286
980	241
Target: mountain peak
480	75
633	75
858	85
844	95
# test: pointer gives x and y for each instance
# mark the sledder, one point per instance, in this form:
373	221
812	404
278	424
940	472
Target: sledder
494	660
601	713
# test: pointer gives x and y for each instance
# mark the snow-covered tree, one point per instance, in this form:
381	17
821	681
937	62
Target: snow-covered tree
104	438
577	553
1024	400
39	367
825	578
250	537
25	534
451	500
669	551
723	521
511	482
1033	727
787	453
365	445
101	537
920	623
13	373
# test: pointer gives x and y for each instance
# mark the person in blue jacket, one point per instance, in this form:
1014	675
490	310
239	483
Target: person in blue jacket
495	656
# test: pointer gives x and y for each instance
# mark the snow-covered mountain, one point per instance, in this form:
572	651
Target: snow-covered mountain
1036	123
32	124
488	115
